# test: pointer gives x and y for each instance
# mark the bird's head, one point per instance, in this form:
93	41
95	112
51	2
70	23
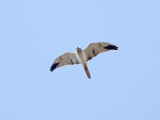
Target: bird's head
79	50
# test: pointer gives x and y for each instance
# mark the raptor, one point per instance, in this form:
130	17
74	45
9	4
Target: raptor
82	56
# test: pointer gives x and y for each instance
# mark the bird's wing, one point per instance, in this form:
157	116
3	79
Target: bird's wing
65	59
94	49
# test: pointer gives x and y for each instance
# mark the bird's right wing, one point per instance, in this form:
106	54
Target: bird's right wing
65	59
94	49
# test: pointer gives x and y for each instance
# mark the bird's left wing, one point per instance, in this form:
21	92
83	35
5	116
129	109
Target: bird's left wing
94	49
65	59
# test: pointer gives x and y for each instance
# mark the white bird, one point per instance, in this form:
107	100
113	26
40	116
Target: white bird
82	56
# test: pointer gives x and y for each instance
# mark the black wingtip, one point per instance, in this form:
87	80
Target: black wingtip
53	66
111	47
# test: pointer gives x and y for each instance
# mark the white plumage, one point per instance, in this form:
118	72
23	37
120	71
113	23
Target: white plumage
82	56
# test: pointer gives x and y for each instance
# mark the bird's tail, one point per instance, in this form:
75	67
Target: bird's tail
87	71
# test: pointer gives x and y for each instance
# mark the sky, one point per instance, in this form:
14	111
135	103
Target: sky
125	84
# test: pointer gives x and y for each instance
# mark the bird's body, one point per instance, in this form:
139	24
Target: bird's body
82	56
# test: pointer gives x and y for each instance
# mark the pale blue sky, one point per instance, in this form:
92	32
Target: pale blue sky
125	84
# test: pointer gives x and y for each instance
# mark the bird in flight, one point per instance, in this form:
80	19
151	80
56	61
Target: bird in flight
82	56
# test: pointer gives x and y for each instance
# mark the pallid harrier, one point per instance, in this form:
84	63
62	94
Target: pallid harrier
82	56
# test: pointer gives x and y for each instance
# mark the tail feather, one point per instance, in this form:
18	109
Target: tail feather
87	71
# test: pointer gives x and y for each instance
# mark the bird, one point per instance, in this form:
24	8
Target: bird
82	56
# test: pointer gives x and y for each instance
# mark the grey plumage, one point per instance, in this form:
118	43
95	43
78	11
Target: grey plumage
82	56
65	59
